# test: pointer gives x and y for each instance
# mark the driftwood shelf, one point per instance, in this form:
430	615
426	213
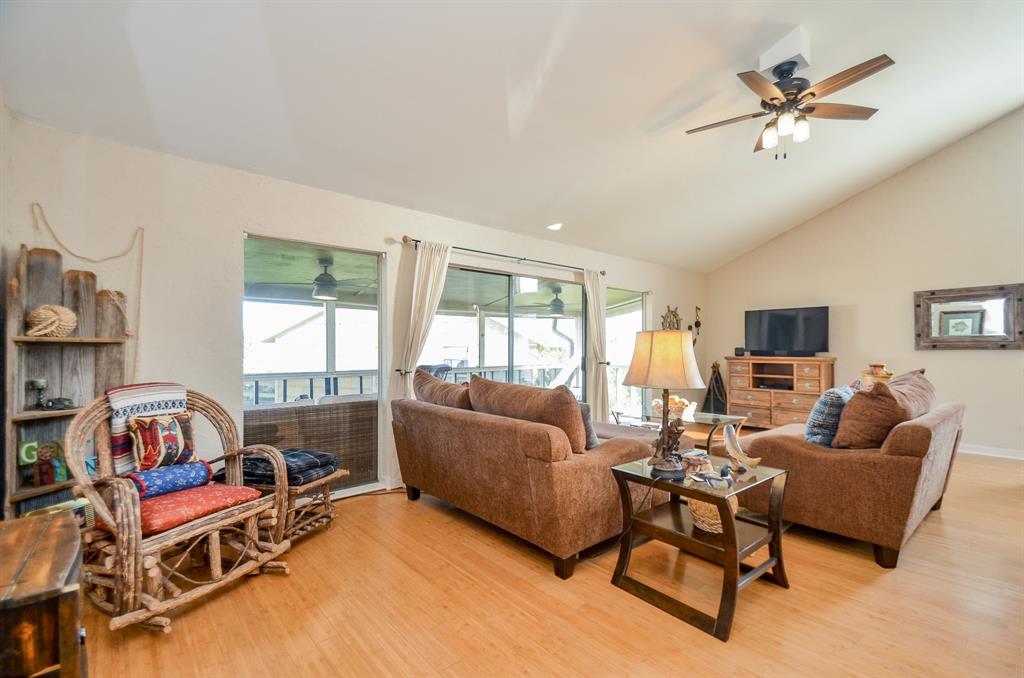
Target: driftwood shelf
79	367
69	340
35	415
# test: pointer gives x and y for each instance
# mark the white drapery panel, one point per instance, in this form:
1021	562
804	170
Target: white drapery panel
597	360
427	284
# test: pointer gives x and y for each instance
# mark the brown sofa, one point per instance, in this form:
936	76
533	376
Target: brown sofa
519	475
879	495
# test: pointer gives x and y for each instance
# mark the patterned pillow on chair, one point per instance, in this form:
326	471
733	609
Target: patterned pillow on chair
823	422
161	441
167	479
139	400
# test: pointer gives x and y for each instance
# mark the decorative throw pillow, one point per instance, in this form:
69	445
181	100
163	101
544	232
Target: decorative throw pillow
161	441
823	421
588	426
430	389
873	412
138	400
554	406
169	479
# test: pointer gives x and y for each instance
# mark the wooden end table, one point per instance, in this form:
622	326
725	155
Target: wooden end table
672	523
40	598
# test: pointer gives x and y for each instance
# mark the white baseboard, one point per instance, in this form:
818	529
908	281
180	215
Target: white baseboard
1004	452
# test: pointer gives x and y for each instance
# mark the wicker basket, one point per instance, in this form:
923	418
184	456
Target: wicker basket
50	320
705	515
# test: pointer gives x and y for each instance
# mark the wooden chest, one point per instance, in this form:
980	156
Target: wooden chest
40	604
772	391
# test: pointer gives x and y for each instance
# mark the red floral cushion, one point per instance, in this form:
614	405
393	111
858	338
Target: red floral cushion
177	508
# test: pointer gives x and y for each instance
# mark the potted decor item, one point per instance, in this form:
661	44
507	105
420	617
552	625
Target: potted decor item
874	373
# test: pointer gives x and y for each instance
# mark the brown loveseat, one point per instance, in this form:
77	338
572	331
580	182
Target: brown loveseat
520	475
879	495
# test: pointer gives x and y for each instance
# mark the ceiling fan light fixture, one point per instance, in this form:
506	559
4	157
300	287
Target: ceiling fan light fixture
325	287
786	123
801	130
770	137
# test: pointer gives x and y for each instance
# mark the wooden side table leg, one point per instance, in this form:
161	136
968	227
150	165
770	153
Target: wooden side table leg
778	493
730	572
626	539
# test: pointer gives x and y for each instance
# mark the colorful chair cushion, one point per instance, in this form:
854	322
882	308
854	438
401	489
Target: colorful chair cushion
823	422
159	514
138	400
161	441
169	479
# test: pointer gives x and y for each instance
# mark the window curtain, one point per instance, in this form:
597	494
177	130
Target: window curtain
428	282
597	361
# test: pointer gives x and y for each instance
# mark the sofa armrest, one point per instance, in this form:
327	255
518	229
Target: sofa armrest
543	442
612	452
934	432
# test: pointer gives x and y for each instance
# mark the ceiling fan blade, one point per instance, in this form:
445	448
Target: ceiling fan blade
762	86
839	111
846	78
739	118
758	146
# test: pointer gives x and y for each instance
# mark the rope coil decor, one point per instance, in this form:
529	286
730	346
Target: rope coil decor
50	320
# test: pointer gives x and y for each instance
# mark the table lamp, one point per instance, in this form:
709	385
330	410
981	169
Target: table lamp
664	359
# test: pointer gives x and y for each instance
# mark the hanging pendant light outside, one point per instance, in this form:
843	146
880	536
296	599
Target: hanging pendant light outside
325	286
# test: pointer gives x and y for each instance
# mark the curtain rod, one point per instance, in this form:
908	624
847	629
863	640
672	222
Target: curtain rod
415	242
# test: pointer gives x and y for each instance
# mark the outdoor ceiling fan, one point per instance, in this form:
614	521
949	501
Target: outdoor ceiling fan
554	308
325	285
791	101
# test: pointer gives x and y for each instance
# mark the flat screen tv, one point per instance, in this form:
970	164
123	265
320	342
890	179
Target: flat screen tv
787	331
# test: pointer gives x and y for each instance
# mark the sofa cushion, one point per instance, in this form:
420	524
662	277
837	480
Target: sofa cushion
823	422
554	406
588	426
872	413
430	389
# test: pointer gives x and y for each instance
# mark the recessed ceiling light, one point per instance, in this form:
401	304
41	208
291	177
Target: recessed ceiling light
555	227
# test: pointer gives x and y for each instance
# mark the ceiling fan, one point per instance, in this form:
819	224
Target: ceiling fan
554	308
791	100
325	285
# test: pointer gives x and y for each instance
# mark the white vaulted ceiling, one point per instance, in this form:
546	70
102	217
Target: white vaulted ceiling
519	114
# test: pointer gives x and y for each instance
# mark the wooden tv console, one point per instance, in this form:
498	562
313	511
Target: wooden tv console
772	392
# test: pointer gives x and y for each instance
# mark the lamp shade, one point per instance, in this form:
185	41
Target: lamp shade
664	359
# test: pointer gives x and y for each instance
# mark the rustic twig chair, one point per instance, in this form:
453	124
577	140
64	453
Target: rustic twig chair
138	579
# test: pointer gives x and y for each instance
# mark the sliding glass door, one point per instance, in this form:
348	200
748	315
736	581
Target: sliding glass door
469	334
311	336
548	347
508	328
624	317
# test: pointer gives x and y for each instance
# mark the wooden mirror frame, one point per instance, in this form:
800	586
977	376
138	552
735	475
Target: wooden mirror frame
1013	318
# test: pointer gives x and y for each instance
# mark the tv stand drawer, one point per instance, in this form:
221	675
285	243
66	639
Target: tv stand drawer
799	402
756	416
807	386
807	370
783	417
754	398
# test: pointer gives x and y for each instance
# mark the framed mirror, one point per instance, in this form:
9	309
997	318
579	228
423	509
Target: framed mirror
970	318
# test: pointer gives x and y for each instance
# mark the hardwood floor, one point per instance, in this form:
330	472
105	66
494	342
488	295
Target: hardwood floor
418	588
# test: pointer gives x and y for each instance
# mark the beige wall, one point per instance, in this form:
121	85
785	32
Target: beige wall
96	193
955	219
